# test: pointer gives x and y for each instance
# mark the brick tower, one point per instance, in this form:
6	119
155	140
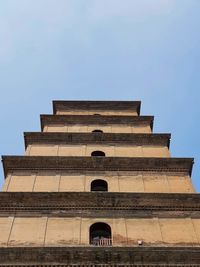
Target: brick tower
97	188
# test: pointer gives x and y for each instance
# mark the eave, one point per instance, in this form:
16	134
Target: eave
101	256
100	204
97	138
95	164
95	120
60	105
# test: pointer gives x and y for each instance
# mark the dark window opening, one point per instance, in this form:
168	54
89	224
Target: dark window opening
97	131
98	154
97	114
100	234
99	185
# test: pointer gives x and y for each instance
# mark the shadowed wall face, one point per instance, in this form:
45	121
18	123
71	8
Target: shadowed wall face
65	182
109	150
98	113
15	231
104	128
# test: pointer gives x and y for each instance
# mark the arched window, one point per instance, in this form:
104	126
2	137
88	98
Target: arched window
100	234
98	153
97	114
97	131
99	185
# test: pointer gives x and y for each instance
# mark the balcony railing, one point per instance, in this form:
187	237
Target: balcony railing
101	242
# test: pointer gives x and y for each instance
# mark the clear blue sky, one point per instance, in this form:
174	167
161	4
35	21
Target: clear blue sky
146	50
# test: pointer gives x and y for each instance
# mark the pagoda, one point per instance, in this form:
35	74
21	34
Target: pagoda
96	187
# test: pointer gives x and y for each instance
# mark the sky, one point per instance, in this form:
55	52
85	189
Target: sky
146	50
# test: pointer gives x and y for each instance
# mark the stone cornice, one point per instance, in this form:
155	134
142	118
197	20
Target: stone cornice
83	164
101	256
96	120
96	138
100	204
96	105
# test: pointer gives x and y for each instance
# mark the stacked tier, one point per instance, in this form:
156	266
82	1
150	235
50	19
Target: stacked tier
97	187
